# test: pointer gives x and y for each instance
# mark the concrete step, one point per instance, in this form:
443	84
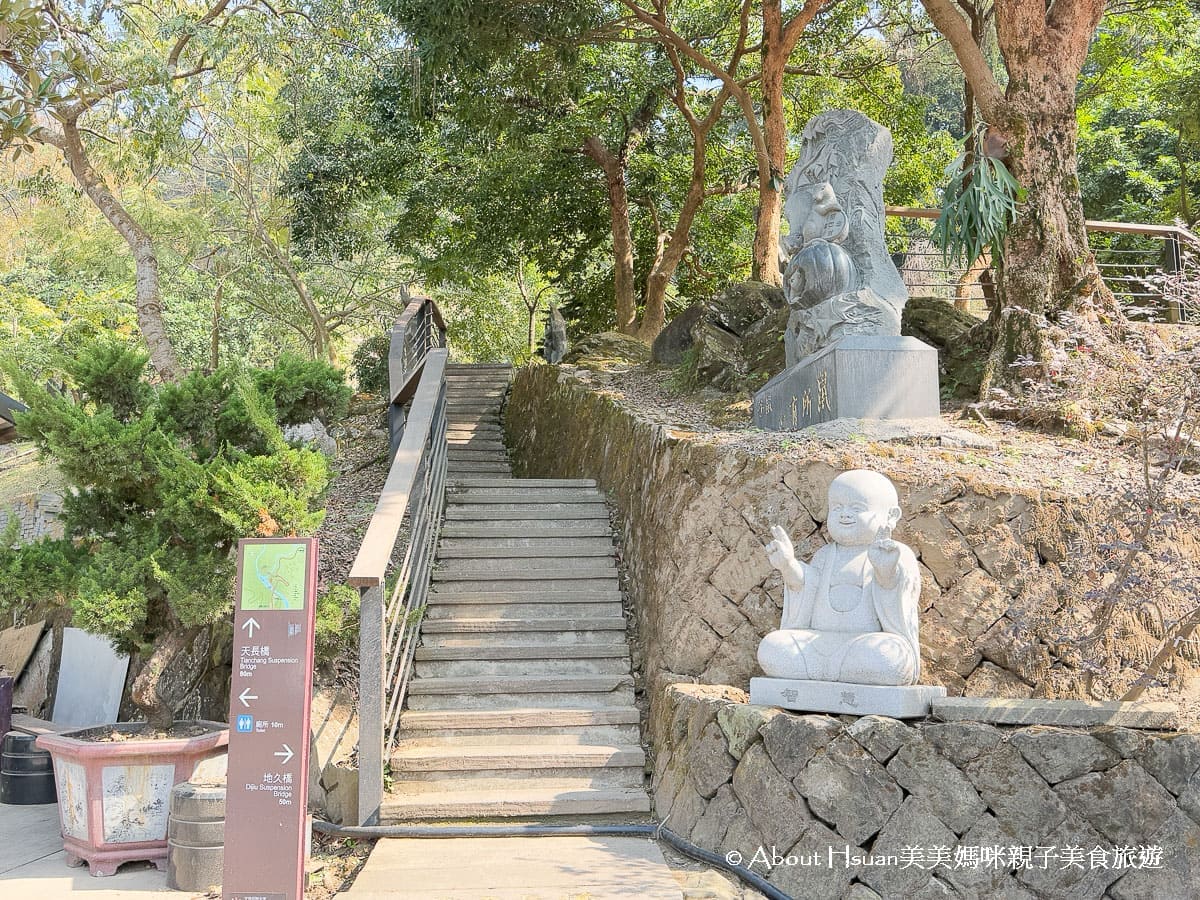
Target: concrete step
516	756
458	465
416	722
516	511
550	800
489	415
527	528
522	494
517	651
549	698
510	611
459	598
488	624
418	783
523	569
510	548
522	482
533	684
514	585
474	443
498	637
519	668
476	454
434	769
545	736
456	406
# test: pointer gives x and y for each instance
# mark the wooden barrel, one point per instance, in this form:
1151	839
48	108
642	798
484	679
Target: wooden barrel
196	836
26	773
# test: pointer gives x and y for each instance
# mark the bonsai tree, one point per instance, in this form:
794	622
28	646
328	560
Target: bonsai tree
166	479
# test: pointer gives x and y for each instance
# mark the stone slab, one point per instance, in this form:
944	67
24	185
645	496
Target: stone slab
896	701
858	376
1070	713
90	680
529	868
17	646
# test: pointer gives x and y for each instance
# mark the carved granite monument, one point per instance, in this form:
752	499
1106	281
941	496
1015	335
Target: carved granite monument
848	641
843	348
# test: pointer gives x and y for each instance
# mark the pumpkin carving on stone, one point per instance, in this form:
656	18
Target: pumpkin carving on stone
818	271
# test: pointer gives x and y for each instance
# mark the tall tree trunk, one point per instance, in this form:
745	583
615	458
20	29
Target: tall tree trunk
1047	267
147	291
1185	205
654	313
765	263
321	344
214	351
613	167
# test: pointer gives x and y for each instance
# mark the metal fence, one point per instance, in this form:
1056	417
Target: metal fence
1145	266
400	542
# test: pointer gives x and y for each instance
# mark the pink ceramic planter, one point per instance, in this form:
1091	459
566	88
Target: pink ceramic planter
113	797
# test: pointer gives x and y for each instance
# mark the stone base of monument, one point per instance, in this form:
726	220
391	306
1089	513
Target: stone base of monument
895	701
861	376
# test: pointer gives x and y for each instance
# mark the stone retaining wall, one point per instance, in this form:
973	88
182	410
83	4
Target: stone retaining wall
695	513
38	515
929	809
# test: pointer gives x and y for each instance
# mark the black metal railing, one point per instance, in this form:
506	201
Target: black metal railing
1145	266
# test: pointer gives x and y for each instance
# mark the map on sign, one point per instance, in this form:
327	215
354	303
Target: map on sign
273	576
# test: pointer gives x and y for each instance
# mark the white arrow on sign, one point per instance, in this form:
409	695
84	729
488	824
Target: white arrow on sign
250	624
246	695
286	753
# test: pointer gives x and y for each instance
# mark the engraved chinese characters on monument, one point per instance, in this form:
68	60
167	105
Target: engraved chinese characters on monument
848	641
266	834
844	353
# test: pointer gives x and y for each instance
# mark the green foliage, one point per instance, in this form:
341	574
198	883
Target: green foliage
979	205
304	389
337	624
370	364
1139	117
165	480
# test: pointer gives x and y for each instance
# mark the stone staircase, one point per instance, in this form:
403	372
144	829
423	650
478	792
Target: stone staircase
521	702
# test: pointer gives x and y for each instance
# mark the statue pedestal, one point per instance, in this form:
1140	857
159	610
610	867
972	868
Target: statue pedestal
861	376
896	701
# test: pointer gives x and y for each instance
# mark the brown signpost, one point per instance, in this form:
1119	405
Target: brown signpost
266	806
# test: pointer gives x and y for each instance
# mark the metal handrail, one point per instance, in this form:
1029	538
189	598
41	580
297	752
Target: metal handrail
926	270
405	526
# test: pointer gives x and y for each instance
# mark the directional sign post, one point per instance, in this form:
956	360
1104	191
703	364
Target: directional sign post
266	804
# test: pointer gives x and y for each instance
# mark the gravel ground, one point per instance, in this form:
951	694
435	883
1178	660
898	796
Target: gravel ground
360	470
961	445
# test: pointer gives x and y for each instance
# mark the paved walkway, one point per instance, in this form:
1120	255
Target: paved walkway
32	866
520	868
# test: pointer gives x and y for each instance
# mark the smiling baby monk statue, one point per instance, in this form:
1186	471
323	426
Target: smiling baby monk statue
849	615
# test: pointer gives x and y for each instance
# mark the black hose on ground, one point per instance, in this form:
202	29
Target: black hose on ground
683	845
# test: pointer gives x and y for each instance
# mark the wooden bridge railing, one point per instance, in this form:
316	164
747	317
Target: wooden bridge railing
401	538
1141	264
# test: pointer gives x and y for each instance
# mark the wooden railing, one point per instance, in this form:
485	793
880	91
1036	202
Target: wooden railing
400	542
1130	256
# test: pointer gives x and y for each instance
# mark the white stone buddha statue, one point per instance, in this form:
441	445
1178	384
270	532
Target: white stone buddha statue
849	615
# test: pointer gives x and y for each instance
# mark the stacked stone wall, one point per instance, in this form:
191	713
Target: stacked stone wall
866	808
37	515
695	513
